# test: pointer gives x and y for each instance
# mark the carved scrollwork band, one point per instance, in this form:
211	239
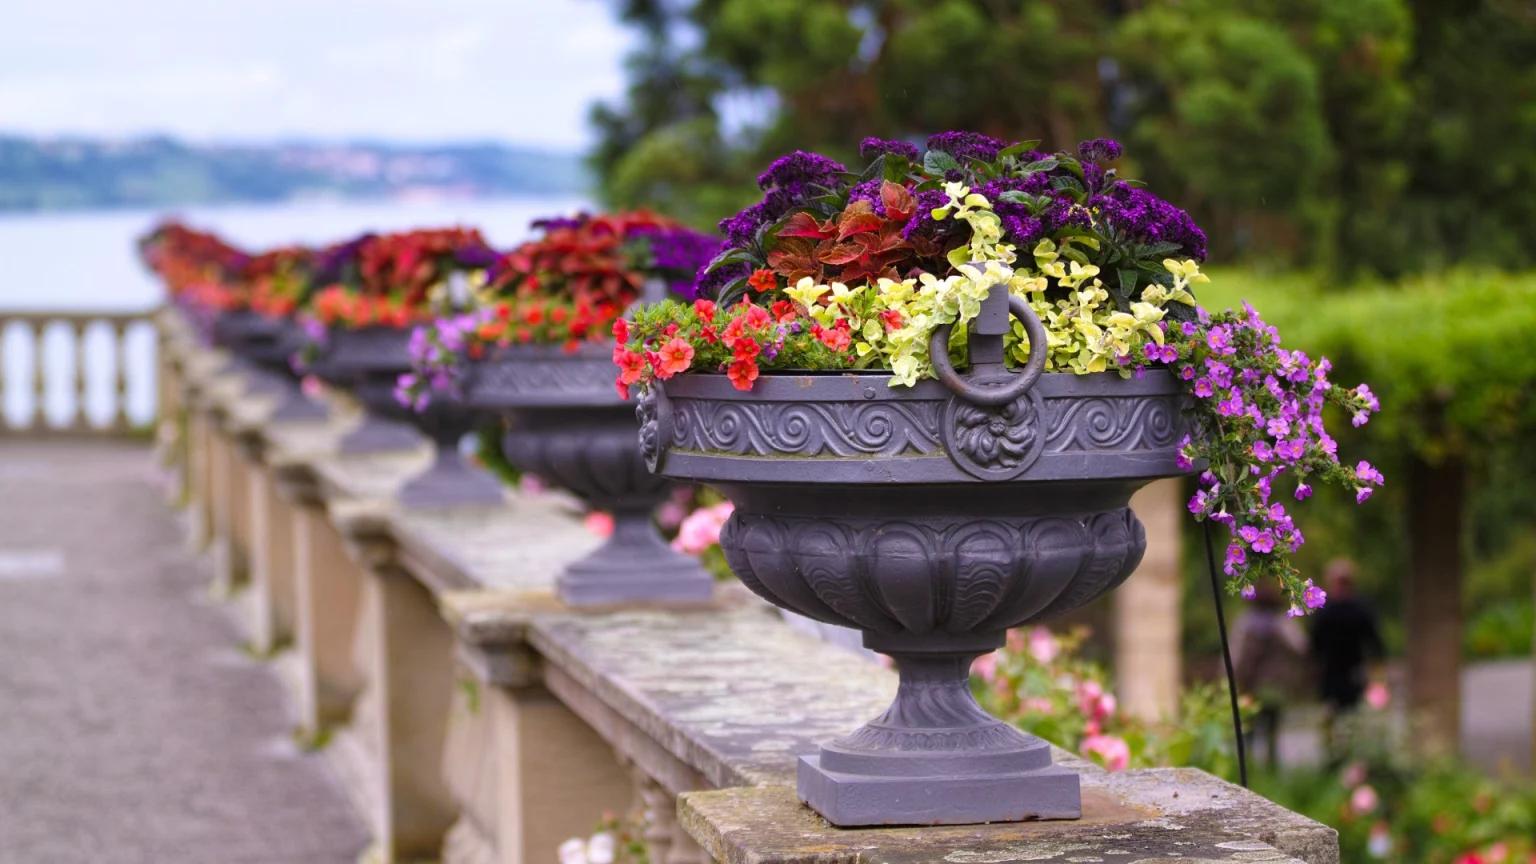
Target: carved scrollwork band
991	443
539	376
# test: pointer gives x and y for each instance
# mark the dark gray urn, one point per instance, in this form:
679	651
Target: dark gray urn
933	524
369	362
248	335
567	424
267	345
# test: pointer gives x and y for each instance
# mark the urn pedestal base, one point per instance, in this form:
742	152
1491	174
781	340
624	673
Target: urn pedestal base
451	481
377	435
936	758
635	564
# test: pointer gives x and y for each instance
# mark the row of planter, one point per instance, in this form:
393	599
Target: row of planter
815	379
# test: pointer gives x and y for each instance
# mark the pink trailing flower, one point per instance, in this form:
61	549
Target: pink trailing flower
1377	696
701	528
1111	750
985	667
1042	645
1363	800
599	523
1095	704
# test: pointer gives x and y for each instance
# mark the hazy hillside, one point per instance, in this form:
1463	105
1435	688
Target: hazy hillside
71	173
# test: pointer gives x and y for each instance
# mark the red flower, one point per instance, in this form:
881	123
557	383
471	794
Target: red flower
705	309
733	331
676	356
763	280
621	330
708	335
631	366
746	349
837	338
892	319
742	373
671	329
757	317
783	311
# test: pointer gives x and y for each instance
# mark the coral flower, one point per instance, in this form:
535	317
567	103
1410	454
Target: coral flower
763	280
705	309
631	367
676	356
742	373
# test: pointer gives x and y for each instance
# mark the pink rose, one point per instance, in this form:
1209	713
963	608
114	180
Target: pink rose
1042	645
701	528
985	666
1363	800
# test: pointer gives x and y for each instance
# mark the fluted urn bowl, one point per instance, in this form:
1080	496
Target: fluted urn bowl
248	336
368	362
267	345
567	423
933	524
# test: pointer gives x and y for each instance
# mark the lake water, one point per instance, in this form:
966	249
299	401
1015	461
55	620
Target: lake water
87	262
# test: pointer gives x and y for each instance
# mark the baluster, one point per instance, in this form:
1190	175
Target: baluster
5	331
120	377
77	328
39	375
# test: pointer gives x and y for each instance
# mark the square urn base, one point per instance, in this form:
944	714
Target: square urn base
851	800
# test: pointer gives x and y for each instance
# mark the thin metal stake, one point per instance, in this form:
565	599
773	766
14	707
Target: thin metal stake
1226	656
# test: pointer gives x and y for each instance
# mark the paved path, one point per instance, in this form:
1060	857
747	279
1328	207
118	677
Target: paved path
132	730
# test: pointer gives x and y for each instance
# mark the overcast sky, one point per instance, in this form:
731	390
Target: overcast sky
520	71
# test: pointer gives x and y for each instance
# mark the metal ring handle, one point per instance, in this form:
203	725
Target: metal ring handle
938	352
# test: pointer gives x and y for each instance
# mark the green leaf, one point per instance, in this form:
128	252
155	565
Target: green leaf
732	291
937	162
875	169
1128	281
732	256
1068	184
896	167
1045	164
1013	196
1018	149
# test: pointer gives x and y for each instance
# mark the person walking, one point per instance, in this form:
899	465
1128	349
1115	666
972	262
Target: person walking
1345	639
1268	655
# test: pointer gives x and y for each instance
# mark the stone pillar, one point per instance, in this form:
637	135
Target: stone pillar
227	494
1147	610
199	480
272	559
547	776
408	666
328	591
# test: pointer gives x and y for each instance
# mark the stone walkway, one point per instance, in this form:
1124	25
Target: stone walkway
132	729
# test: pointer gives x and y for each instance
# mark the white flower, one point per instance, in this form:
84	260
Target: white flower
574	851
600	848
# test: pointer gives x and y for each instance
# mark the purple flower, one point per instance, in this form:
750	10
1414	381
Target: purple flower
1264	542
1262	451
1294	612
869	191
1303	492
1278	427
869	148
1100	150
1140	215
1250	592
963	145
1237	559
1370	475
1314	596
801	168
1362	494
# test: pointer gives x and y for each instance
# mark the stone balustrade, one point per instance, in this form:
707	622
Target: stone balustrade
33	329
475	719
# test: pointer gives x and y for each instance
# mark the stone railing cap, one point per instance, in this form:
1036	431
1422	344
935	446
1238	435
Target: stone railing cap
770	826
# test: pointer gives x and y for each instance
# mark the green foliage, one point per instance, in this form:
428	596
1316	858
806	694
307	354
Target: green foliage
1386	806
1042	683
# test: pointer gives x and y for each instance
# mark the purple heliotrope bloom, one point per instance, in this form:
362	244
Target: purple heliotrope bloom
964	145
677	254
869	148
789	182
1143	216
1100	150
869	191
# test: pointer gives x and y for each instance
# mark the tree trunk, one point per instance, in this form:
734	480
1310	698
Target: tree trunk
1435	506
1147	610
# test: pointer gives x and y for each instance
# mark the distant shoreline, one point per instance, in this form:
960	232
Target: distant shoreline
39	175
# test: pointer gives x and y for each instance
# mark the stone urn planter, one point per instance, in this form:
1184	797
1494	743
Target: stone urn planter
266	345
368	362
567	424
933	518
